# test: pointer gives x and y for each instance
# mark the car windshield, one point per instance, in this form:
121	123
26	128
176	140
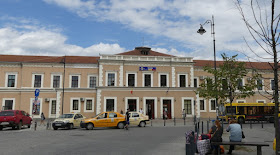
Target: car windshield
96	115
6	113
66	116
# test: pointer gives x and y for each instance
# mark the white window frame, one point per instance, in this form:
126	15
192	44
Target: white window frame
197	82
167	79
241	101
85	104
115	103
261	100
42	80
204	105
135	80
6	81
50	108
243	83
155	104
172	105
41	108
192	103
116	78
70	80
60	82
209	104
133	98
88	81
71	104
178	77
3	102
143	78
262	85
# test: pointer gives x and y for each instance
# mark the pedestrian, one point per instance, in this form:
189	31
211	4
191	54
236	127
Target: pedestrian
42	119
217	132
121	112
127	119
141	111
164	114
235	133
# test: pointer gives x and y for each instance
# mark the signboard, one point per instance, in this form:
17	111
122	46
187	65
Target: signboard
37	91
36	107
147	68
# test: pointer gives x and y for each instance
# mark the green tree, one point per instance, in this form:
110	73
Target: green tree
228	85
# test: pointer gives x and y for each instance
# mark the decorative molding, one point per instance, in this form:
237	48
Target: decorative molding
173	77
100	75
192	76
121	76
98	101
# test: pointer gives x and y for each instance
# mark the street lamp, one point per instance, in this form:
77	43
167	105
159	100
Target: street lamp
63	61
201	31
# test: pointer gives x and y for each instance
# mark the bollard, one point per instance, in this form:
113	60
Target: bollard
164	122
151	123
184	120
201	127
222	123
47	126
35	126
262	124
174	122
198	126
207	126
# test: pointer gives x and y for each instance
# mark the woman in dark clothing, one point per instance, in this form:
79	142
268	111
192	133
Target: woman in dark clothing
217	131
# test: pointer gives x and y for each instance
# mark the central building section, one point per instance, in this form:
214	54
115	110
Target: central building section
142	78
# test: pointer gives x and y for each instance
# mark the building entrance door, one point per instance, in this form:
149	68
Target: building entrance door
132	104
150	111
167	108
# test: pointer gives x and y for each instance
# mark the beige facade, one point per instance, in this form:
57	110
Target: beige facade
115	82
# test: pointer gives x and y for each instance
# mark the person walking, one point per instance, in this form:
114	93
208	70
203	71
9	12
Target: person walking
235	133
217	133
141	111
127	119
42	119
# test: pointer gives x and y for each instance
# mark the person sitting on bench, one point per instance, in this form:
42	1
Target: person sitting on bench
235	133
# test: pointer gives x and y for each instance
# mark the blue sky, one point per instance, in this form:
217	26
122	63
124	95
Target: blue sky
92	27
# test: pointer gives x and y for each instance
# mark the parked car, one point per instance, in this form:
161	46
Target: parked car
104	119
139	119
69	121
14	119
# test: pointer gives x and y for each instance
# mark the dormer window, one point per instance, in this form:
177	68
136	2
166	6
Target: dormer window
145	52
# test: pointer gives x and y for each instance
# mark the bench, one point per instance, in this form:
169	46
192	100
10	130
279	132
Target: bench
258	144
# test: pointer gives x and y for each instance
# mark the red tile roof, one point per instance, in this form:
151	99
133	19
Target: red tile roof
249	65
49	59
138	51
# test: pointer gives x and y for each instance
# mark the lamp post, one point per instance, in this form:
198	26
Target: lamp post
202	31
63	84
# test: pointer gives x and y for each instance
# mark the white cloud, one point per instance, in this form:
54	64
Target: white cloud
42	41
178	20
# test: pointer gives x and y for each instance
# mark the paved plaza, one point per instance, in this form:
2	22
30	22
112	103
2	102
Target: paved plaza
156	140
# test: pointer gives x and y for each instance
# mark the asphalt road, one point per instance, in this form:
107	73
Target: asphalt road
112	141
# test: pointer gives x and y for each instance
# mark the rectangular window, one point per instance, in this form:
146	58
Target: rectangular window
213	104
53	108
240	101
75	105
259	84
261	101
201	104
188	107
89	105
37	81
163	80
195	82
272	84
147	80
8	105
56	81
111	79
240	84
182	80
11	80
131	80
92	82
75	82
110	104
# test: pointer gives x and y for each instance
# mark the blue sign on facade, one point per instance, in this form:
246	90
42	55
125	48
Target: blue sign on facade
147	68
37	91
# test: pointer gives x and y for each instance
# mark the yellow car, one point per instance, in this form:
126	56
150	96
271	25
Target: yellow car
104	119
139	119
68	121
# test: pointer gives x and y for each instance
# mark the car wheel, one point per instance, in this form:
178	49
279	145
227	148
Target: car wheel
142	124
1	127
120	125
55	128
70	126
19	126
13	127
89	126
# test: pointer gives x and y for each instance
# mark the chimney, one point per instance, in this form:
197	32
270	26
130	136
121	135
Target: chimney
143	50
